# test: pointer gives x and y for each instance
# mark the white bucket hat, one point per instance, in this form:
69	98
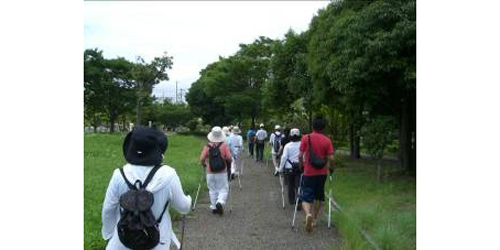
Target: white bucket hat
236	130
216	135
226	131
277	127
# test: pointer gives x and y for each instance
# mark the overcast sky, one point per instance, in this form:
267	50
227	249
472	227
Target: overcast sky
194	33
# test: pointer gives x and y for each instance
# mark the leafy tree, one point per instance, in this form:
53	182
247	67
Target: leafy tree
364	53
146	76
108	86
377	134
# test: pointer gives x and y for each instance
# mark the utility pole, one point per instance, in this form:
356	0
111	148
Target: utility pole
176	94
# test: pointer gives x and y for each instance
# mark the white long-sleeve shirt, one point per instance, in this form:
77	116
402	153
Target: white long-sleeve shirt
261	135
235	145
291	152
165	186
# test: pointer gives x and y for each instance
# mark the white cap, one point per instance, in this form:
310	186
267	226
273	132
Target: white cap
294	131
261	125
225	130
277	127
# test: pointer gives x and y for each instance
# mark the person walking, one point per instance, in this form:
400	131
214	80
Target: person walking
251	140
316	151
261	136
216	158
275	143
143	149
236	142
289	164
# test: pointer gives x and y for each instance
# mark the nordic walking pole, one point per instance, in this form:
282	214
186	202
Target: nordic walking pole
330	201
282	192
197	192
296	202
183	217
239	181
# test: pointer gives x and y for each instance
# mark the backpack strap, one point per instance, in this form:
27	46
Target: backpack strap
150	175
162	212
130	186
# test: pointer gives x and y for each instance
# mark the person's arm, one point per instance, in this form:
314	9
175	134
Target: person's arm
110	207
179	201
271	139
203	157
283	161
332	165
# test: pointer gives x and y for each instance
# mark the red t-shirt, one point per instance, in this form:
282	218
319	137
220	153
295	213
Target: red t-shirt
224	150
322	147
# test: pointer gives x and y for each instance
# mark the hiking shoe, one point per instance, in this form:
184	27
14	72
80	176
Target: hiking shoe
309	223
220	210
214	211
232	176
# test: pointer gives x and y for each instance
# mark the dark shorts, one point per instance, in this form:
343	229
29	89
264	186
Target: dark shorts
313	188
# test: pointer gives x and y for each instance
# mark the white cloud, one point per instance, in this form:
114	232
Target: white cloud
194	33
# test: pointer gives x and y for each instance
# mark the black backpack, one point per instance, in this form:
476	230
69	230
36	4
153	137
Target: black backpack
215	159
138	227
276	142
315	161
295	167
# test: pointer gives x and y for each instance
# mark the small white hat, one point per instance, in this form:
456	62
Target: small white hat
261	125
216	135
226	131
277	127
236	130
295	131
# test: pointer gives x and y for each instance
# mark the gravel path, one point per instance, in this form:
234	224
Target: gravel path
257	220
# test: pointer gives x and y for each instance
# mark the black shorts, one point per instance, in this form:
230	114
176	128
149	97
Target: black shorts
313	188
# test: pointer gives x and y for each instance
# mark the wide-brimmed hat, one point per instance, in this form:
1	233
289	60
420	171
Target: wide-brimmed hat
216	135
144	146
226	131
236	130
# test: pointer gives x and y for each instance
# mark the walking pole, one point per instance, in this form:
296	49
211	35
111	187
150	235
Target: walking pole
230	198
330	201
296	202
282	192
239	181
197	192
183	217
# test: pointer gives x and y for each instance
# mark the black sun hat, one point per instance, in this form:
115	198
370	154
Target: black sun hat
144	146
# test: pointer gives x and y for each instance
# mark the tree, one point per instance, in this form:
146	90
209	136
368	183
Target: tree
377	134
146	76
108	86
365	52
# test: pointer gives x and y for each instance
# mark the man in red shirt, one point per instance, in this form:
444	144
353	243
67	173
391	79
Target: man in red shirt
314	178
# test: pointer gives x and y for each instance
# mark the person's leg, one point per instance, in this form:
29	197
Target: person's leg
262	151
250	148
257	151
275	161
223	186
233	166
238	168
307	197
212	190
317	207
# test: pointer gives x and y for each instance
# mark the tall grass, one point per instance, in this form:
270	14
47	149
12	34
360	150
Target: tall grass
103	153
385	210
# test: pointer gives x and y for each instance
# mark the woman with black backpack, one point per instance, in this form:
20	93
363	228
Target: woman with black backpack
134	213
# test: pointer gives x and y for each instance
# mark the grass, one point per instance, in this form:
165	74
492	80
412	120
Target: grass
386	211
103	153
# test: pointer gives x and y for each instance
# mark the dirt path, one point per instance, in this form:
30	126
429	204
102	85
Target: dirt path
257	220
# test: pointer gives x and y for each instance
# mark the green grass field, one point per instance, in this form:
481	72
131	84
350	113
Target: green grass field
386	211
103	153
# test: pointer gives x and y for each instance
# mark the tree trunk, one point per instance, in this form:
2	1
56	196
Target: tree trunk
95	128
138	112
112	124
408	135
379	170
354	141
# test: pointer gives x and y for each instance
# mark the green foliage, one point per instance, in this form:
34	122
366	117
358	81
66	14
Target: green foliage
108	87
103	153
377	134
386	211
